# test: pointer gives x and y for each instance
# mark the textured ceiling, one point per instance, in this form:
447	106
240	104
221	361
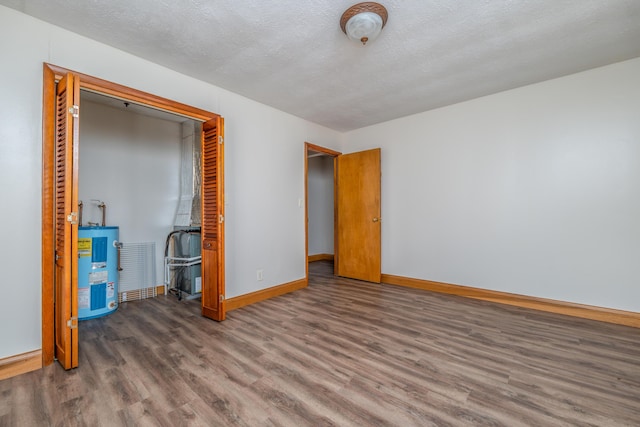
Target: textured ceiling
293	56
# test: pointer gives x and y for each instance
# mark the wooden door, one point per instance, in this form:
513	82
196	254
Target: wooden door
213	305
358	225
66	229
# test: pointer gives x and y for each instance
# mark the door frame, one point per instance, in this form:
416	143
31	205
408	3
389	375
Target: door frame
332	153
51	74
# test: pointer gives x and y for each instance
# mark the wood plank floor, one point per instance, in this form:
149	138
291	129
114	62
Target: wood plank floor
340	352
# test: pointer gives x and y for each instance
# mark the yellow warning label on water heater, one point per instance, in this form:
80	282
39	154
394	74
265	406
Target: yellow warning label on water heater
84	246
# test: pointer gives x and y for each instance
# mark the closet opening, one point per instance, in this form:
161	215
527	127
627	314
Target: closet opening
139	204
134	185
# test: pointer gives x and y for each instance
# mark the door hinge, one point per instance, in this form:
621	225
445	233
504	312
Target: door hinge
75	111
73	217
73	323
221	298
221	219
220	140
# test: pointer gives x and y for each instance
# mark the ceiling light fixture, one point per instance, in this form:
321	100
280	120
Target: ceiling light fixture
363	21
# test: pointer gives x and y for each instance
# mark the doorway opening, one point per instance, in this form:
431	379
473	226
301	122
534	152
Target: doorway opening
320	194
356	208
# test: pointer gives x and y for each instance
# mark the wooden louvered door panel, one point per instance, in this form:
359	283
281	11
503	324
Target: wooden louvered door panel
66	230
212	220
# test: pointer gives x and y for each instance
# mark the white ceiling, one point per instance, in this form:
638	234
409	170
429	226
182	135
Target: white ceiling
293	56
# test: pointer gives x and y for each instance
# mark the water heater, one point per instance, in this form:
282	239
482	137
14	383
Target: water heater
97	271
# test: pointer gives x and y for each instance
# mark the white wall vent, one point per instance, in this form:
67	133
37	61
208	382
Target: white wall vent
138	275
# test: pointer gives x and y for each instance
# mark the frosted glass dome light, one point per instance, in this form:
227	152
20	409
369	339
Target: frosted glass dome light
364	27
363	22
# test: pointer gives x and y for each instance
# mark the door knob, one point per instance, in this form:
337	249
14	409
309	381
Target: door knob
376	219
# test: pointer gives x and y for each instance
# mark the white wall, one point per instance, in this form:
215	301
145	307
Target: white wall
320	199
534	191
264	156
132	163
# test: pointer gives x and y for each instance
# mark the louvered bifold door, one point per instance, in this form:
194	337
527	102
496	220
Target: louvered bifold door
66	229
212	220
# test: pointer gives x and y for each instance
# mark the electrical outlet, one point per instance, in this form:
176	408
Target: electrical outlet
259	275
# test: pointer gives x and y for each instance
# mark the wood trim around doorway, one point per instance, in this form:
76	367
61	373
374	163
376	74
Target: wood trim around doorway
51	74
48	244
126	93
307	148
